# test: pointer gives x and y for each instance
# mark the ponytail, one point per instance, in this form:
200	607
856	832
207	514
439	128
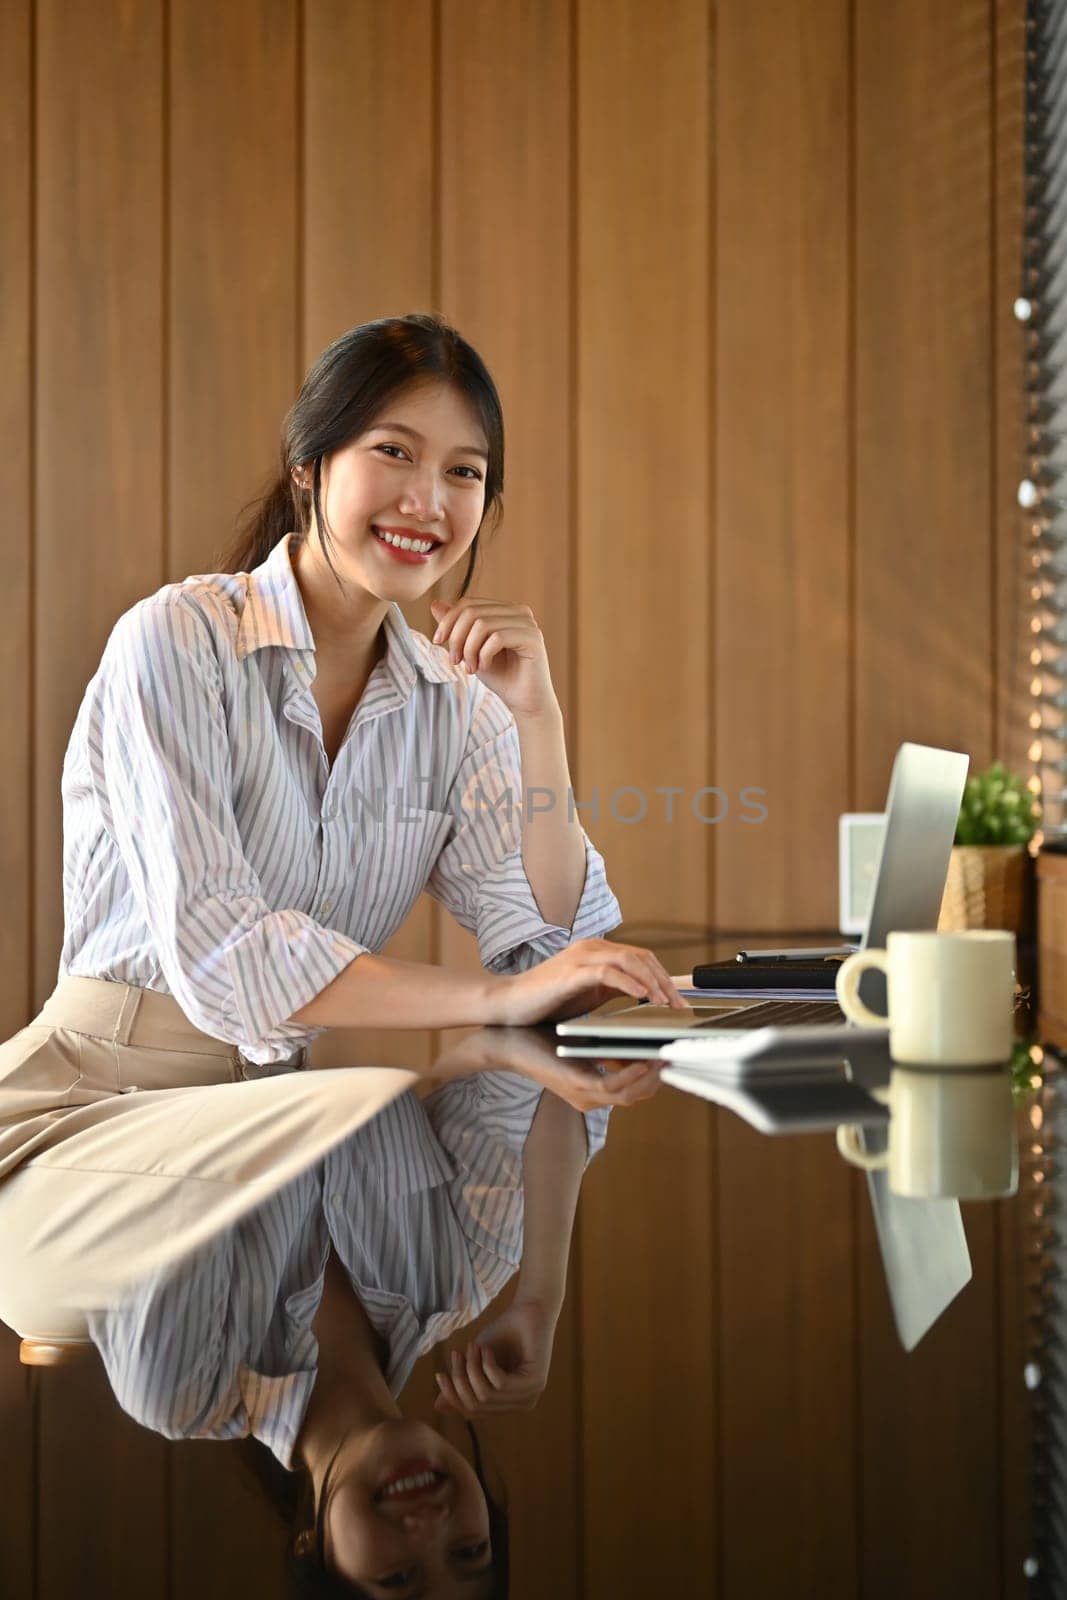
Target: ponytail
260	525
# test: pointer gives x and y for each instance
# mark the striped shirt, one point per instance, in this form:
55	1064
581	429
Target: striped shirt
424	1207
212	853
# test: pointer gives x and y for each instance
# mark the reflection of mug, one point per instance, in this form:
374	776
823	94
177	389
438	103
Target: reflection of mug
950	996
952	1135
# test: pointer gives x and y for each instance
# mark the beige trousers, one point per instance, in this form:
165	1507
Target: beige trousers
129	1138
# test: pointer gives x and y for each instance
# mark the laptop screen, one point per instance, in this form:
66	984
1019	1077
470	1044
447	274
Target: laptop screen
922	808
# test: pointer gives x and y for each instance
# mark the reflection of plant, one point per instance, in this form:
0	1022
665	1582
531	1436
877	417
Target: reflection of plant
997	808
1026	1070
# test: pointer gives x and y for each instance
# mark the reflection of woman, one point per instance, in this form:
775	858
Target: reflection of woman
267	768
393	1500
301	1325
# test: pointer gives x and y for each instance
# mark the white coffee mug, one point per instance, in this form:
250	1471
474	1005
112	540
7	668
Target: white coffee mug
951	996
952	1135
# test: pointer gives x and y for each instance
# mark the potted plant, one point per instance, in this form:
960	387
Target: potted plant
987	875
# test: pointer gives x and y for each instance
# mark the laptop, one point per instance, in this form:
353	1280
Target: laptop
922	809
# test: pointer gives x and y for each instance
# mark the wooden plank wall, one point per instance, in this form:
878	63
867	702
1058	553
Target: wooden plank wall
743	274
17	1499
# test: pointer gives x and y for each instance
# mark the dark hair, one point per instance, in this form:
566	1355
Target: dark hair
292	1495
348	386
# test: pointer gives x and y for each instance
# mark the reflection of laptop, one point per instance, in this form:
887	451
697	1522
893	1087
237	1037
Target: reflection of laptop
922	808
923	1245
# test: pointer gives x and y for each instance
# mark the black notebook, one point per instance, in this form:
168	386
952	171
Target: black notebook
766	975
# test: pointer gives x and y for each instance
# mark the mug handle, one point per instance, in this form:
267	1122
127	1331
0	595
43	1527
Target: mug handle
848	1139
847	984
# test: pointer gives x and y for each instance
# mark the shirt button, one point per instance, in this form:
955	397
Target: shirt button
335	1199
325	908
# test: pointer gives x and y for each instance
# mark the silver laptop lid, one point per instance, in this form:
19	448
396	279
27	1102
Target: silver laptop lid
922	1242
921	811
922	808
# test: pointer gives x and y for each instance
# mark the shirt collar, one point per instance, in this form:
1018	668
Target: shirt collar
274	615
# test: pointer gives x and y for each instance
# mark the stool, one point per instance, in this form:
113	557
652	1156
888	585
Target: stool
52	1352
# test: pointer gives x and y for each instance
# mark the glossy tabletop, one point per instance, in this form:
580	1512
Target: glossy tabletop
751	1343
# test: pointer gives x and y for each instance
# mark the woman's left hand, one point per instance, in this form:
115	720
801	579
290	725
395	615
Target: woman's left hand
500	641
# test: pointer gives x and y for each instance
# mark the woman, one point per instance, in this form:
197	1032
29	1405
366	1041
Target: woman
267	768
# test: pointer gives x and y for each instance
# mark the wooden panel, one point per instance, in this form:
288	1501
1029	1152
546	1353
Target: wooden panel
98	457
782	646
643	551
505	283
232	342
19	1471
368	207
643	564
787	1365
924	607
102	1488
929	1456
16	689
234	236
16	423
648	1343
783	671
924	625
224	1511
97	474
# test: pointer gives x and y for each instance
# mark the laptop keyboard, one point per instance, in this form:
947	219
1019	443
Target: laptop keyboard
775	1014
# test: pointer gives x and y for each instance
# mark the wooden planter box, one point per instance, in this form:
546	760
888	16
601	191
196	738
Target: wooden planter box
1052	949
986	888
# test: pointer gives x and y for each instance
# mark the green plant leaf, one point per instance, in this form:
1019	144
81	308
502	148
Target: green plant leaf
996	809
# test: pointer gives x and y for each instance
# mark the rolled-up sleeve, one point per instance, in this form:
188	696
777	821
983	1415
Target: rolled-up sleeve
479	875
161	775
221	1345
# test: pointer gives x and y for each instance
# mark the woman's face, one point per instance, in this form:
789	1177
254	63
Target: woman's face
408	1517
420	469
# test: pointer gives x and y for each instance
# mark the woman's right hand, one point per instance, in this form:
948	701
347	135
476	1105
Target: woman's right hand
584	1084
578	979
505	1368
